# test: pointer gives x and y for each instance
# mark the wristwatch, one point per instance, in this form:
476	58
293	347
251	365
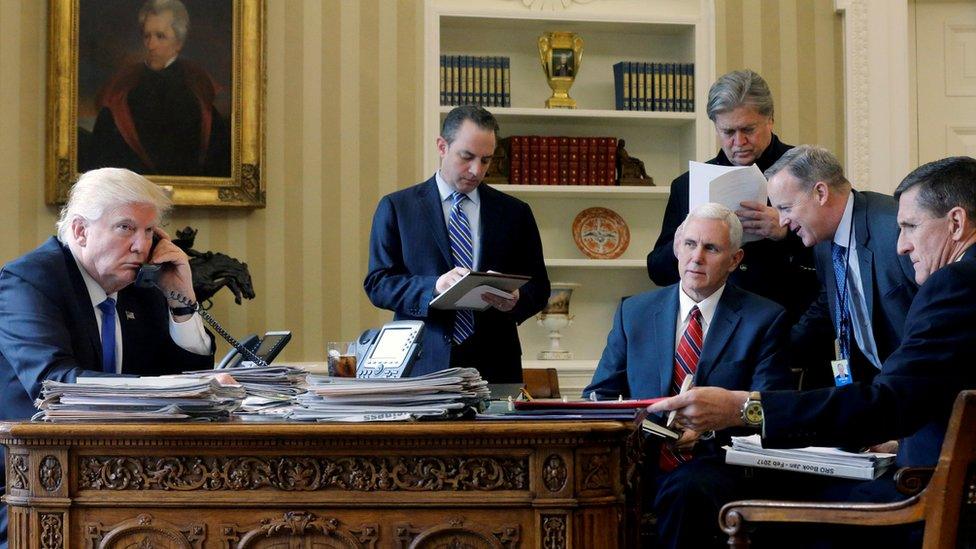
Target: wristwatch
181	311
752	411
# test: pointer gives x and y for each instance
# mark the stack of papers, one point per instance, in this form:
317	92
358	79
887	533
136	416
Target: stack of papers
815	460
270	390
450	393
137	399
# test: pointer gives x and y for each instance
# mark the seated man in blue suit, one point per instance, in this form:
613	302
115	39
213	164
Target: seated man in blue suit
702	327
426	237
68	308
911	398
854	237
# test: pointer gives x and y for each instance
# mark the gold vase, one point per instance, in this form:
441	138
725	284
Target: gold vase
561	54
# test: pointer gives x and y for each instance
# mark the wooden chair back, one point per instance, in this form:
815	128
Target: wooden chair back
541	382
947	504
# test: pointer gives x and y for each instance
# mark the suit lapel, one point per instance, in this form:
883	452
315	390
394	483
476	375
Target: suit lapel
724	322
825	258
490	235
430	204
865	257
84	306
664	326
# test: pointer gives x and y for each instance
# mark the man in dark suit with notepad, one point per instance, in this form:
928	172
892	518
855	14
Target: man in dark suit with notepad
700	328
428	236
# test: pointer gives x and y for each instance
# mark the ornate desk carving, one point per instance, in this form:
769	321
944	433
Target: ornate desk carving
249	485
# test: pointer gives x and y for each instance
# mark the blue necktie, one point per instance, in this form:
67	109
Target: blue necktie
462	252
108	335
842	299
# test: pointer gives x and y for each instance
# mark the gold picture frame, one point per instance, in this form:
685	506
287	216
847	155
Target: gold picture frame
238	53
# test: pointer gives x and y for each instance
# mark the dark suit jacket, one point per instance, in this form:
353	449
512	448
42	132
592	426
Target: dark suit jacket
781	271
48	330
887	278
409	249
741	351
912	397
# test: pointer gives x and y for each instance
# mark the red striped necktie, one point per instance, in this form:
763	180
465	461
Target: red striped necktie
685	364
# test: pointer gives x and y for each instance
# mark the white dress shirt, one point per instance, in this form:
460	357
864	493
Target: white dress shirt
706	307
860	318
470	207
190	335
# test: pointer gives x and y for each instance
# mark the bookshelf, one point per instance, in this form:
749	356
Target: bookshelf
650	30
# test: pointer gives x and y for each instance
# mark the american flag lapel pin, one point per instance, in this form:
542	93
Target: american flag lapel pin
129	315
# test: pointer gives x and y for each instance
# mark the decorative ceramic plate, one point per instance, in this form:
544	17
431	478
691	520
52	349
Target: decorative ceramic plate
600	233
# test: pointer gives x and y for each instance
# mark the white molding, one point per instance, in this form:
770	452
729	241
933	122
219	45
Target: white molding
877	106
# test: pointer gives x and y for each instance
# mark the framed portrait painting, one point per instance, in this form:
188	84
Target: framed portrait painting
170	89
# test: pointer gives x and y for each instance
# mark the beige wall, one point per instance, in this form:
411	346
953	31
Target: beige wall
797	45
344	127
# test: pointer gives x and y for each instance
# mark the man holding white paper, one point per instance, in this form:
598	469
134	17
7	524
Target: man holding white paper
705	330
776	265
427	237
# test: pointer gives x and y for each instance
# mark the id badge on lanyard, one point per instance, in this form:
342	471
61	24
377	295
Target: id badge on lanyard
841	367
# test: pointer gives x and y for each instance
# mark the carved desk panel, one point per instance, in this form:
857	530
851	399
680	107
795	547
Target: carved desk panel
249	485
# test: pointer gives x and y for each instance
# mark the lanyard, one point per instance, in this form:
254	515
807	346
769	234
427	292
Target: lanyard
842	298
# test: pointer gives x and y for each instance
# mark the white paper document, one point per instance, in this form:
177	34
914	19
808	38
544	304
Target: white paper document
727	185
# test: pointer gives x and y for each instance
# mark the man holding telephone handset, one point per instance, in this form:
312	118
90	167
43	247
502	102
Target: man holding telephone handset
69	309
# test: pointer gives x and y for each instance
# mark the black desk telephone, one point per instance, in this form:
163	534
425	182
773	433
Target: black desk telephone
260	351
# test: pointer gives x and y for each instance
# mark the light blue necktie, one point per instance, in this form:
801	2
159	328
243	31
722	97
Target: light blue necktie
462	251
108	335
842	316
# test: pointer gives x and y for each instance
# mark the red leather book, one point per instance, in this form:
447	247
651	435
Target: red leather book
563	161
515	153
535	147
584	161
595	156
543	162
552	144
610	153
574	159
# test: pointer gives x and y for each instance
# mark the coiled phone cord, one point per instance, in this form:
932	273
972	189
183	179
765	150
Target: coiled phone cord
187	302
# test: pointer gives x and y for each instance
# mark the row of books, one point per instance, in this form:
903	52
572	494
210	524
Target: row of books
545	160
474	80
641	86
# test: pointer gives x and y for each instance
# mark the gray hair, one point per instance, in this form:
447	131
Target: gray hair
719	212
739	88
105	189
181	19
810	164
943	185
479	115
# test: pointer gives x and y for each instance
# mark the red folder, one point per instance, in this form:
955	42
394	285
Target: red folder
584	404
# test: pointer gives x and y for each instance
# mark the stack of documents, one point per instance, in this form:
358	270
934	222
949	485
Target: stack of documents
813	459
270	390
451	393
137	399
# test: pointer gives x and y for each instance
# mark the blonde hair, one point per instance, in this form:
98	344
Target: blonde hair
105	189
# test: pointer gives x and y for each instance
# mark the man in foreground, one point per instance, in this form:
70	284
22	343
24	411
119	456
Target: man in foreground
68	308
710	330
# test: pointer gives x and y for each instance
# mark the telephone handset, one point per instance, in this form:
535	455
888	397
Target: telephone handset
266	347
148	277
390	351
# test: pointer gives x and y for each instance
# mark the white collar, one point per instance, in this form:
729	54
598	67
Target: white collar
706	306
95	292
843	234
446	190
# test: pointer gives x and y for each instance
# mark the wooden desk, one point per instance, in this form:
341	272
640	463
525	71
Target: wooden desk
436	484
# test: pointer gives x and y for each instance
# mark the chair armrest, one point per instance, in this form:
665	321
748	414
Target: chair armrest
735	515
912	480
